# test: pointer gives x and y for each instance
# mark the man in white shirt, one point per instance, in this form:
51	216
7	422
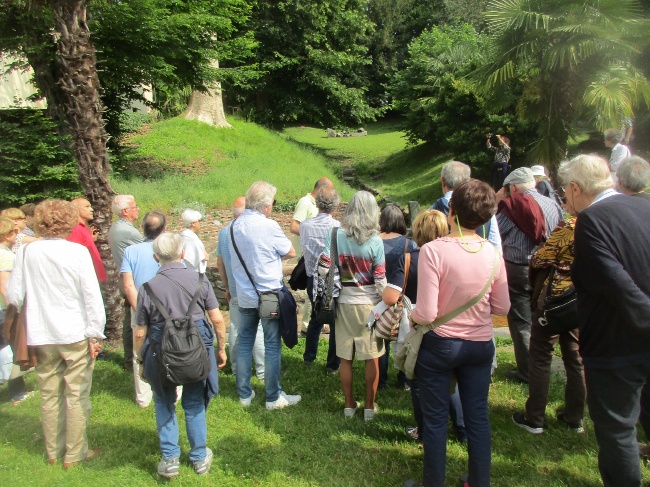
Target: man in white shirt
613	138
194	249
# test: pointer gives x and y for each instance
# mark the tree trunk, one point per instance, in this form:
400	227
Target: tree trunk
79	84
207	107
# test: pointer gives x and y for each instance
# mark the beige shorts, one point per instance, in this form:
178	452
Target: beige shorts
352	336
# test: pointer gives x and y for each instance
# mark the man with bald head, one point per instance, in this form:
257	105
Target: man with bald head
83	235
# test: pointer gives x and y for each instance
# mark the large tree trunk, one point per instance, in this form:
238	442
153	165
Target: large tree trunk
207	107
79	84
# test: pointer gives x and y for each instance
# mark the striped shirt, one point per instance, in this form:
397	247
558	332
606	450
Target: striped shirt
313	233
517	247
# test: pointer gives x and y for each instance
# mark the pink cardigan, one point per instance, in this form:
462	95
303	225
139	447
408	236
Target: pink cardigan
449	277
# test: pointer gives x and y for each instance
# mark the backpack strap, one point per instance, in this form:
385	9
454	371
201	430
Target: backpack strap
407	265
234	244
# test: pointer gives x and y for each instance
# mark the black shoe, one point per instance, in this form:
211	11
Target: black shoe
307	363
520	420
575	427
514	376
331	371
412	483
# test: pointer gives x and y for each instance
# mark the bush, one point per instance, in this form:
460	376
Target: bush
35	161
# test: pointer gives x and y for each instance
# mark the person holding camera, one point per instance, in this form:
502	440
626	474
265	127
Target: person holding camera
501	159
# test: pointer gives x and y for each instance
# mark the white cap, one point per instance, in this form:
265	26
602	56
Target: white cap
538	170
190	216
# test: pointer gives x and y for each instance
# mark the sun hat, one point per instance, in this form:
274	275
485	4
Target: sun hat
519	176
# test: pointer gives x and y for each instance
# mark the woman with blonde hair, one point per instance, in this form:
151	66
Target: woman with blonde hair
20	223
362	271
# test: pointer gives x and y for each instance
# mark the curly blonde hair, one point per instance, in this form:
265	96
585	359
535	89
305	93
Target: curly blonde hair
429	225
55	218
13	213
6	227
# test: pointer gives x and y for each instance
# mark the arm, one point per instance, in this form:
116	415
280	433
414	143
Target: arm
289	255
4	279
16	285
142	319
92	298
220	330
129	289
499	294
223	275
390	295
426	310
295	227
547	254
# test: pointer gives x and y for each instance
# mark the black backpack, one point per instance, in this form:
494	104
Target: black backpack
183	357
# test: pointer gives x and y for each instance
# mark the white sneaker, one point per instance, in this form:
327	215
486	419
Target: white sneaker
369	414
350	412
283	400
247	402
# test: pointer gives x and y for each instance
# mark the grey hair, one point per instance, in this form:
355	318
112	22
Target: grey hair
190	216
455	172
590	172
361	218
259	195
168	247
633	174
327	199
120	202
614	135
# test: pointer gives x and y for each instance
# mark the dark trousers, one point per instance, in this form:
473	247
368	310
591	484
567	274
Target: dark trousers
127	337
519	316
499	173
613	396
383	369
471	362
542	344
313	335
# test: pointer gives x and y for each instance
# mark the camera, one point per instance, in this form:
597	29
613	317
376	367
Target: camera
489	136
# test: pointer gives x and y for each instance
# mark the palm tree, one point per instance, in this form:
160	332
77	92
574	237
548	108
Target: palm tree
571	60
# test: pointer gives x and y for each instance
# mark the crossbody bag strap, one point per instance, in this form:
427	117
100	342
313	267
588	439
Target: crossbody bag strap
234	244
407	265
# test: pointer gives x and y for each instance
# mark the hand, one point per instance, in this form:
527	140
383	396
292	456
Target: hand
221	359
94	231
94	347
502	194
228	296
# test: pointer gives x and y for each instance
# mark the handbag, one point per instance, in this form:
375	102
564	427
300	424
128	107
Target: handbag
269	302
387	324
407	356
325	303
560	313
298	278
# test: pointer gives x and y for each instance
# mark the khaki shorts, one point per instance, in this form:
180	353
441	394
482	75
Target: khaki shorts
352	336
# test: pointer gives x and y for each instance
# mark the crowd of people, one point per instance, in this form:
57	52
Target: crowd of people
474	254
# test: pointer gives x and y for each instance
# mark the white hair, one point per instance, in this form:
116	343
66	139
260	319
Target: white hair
455	172
121	202
190	216
361	217
589	172
521	187
259	195
633	174
168	247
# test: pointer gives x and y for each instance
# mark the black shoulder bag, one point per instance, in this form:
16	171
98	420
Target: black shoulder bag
560	312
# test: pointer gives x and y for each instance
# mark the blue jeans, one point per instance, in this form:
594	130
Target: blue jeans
193	402
471	363
313	335
258	347
272	357
613	396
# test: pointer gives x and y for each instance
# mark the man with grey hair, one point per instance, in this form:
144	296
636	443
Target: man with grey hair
610	273
260	243
174	285
613	139
525	218
634	176
452	174
194	249
138	267
224	265
122	234
313	235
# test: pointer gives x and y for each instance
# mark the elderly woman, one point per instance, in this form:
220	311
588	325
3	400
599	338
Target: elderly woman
392	230
362	270
453	272
58	276
172	286
194	249
20	223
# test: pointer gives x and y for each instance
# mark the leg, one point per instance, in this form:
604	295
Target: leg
258	352
347	383
383	366
127	337
235	318
417	410
574	391
542	343
372	380
644	417
456	414
313	330
49	371
164	402
519	316
16	388
143	394
272	359
195	425
613	397
247	330
306	314
333	361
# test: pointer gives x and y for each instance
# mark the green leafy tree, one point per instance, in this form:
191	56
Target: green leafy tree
572	60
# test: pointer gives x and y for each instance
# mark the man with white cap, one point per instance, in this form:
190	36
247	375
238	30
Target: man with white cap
543	185
526	218
194	249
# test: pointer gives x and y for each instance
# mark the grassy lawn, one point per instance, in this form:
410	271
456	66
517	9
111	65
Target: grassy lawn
310	444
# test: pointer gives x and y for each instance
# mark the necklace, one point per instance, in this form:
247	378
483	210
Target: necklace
464	244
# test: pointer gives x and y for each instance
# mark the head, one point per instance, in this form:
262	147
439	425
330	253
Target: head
84	208
55	218
322	183
391	220
539	173
28	210
613	137
168	247
472	204
17	216
453	173
327	199
192	219
153	224
7	232
124	206
361	219
503	140
238	206
633	175
260	197
520	180
583	178
429	225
